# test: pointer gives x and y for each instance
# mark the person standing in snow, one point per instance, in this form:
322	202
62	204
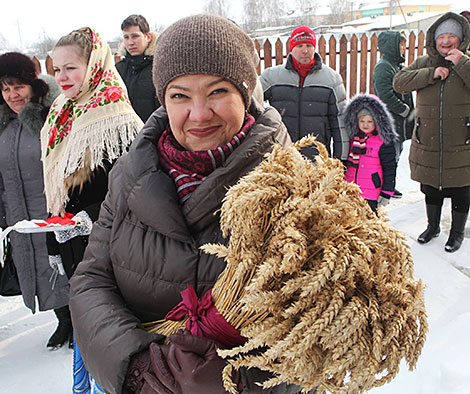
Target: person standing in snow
309	95
135	68
371	163
440	147
88	127
392	45
163	203
24	104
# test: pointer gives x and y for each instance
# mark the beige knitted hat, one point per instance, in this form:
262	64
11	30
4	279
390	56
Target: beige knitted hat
205	44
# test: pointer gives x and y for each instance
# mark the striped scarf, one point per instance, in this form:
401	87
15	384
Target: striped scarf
358	147
189	169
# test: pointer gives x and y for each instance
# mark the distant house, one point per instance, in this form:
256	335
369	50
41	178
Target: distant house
407	7
418	21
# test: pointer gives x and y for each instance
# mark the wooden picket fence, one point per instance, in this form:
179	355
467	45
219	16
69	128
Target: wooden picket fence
354	58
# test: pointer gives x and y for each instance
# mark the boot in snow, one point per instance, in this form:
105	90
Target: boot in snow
63	332
434	218
456	231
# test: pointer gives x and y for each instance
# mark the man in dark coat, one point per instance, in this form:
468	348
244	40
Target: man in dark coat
392	45
309	95
136	66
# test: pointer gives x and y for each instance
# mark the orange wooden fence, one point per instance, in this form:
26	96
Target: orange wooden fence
354	59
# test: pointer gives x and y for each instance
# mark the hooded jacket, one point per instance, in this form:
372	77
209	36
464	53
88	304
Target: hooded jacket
315	108
136	71
400	105
22	198
376	170
144	249
440	147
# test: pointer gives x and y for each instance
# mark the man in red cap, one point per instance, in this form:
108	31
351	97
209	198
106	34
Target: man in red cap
309	95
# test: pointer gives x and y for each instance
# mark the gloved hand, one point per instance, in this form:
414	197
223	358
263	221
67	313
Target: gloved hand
82	229
139	364
55	263
190	364
383	200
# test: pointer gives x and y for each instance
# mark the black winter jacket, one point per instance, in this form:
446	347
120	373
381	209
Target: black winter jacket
88	198
136	71
316	108
144	249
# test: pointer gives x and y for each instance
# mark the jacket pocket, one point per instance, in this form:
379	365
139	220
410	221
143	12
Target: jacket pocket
376	180
418	123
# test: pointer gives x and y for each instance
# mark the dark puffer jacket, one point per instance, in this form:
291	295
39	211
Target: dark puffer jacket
22	198
136	71
440	147
315	108
144	249
400	105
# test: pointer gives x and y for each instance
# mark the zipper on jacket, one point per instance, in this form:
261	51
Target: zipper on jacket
467	123
441	121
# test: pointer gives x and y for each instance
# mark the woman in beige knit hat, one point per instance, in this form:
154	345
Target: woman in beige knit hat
143	258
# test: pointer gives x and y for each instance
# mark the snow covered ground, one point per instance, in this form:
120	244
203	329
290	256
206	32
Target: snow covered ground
26	365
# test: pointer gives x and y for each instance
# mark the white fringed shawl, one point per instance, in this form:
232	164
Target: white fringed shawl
80	133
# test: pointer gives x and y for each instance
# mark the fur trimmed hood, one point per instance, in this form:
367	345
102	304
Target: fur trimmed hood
33	114
383	119
150	51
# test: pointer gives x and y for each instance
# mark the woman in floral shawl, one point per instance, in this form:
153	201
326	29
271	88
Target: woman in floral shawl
88	127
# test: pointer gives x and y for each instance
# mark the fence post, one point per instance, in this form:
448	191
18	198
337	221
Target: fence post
322	48
332	52
353	67
37	65
373	61
421	39
268	57
258	51
411	48
278	52
49	66
343	59
363	67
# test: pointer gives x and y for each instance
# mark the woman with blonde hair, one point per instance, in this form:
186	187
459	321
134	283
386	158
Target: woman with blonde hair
88	127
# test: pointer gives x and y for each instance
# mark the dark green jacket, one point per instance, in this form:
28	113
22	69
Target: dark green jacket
400	105
440	147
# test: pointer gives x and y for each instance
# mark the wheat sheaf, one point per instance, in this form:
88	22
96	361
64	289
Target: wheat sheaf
321	287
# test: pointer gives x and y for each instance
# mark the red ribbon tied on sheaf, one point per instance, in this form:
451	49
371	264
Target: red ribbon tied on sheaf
204	318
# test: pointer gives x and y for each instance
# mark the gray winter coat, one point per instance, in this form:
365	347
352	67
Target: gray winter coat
144	249
22	198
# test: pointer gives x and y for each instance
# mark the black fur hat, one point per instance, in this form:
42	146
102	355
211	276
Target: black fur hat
21	67
384	122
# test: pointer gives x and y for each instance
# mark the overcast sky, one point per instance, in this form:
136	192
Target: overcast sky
25	21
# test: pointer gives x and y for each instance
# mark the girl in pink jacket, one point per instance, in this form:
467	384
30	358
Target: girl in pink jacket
371	163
